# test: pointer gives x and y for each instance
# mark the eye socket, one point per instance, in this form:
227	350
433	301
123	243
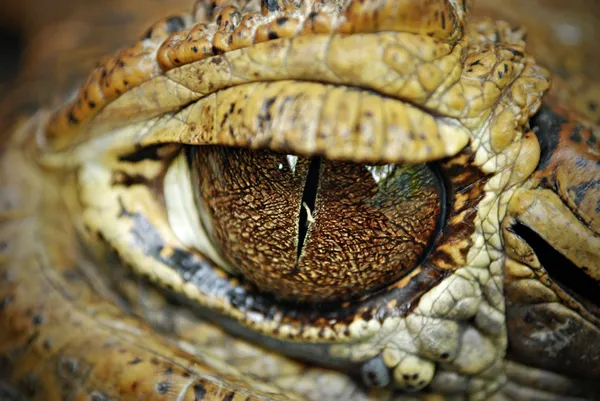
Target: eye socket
310	229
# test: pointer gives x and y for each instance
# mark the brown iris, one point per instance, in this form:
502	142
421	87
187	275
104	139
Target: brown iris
315	230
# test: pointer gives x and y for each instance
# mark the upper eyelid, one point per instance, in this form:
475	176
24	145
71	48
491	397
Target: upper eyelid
179	87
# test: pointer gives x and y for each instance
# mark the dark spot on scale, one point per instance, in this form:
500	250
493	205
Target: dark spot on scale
199	392
168	371
312	15
273	35
516	52
406	376
281	21
443	20
528	318
496	37
47	344
229	396
505	68
186	375
37	320
175	24
134	361
271	5
592	106
415	376
474	63
576	134
104	73
72	119
91	105
121	63
67	367
219	19
126	83
148	34
162	388
500	74
265	115
444	355
195	49
31	339
71	276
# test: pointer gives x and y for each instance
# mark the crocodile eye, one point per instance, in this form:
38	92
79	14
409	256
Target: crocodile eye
306	229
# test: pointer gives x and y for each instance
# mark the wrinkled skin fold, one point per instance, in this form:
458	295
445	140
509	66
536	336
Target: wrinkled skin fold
101	299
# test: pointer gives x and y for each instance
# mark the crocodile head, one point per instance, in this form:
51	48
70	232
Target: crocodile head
287	200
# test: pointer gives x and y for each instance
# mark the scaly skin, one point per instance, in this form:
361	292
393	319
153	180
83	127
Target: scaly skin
88	252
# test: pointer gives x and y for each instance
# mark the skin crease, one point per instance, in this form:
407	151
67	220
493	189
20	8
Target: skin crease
97	330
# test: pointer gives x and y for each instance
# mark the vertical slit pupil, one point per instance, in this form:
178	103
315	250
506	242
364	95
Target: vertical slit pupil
309	196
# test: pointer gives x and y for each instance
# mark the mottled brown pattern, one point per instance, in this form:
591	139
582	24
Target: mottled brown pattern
571	164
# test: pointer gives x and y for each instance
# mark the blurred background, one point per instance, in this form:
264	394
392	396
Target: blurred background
47	46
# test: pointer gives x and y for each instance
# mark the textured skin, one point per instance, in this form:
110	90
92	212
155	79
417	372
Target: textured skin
403	223
481	317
